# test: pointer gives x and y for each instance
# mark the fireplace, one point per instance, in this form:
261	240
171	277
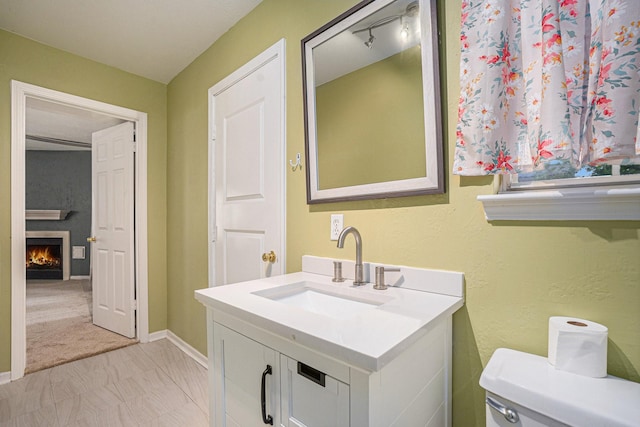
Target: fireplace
47	255
44	258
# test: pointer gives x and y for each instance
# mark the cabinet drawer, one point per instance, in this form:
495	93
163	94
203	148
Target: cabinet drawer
310	397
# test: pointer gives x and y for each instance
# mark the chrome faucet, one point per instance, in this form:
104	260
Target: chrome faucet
358	281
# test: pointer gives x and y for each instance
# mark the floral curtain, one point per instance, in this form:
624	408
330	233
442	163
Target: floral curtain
547	80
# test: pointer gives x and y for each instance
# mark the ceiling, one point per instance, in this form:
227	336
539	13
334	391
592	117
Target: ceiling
151	38
155	39
47	120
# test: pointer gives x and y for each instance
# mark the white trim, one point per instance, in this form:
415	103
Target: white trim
588	203
19	94
66	246
141	229
5	377
181	344
188	350
275	52
80	277
46	214
158	335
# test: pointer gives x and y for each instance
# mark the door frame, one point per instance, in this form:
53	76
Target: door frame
19	93
276	52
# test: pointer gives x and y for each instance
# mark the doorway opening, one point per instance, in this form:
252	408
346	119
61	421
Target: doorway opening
23	95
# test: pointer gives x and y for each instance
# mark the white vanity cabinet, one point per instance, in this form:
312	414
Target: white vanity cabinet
294	394
387	365
413	389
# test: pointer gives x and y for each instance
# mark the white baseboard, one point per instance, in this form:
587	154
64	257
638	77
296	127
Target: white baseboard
5	377
181	344
187	349
80	277
155	336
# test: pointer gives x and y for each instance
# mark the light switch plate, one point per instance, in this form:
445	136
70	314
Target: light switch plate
337	224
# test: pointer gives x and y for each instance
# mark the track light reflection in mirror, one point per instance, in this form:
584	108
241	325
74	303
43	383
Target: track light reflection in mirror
411	11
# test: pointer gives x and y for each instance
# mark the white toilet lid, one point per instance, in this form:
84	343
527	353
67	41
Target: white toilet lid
532	382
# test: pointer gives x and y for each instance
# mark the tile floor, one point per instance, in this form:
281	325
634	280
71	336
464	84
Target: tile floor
152	384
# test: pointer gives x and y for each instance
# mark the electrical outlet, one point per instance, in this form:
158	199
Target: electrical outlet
337	224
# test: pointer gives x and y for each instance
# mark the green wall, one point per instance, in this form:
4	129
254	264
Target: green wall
517	273
30	62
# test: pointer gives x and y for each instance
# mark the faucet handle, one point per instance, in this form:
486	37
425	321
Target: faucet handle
337	272
380	285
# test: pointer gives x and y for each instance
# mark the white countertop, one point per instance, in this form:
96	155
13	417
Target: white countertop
368	339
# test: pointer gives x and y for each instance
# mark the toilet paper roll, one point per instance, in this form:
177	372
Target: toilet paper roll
578	346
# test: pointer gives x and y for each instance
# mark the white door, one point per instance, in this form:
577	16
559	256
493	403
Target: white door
247	136
112	254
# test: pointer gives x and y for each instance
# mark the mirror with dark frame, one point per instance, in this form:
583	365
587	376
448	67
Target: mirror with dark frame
372	103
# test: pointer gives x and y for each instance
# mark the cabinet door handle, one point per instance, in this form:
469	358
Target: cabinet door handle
267	419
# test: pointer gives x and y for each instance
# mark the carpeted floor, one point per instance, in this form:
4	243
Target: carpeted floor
59	324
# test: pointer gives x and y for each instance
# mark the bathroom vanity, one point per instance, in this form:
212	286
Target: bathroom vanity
302	350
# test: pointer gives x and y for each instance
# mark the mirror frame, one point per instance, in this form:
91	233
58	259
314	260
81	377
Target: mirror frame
433	182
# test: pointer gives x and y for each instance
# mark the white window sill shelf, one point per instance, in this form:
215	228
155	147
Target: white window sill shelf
589	203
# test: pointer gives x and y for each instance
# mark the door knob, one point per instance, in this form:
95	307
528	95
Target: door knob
269	257
91	239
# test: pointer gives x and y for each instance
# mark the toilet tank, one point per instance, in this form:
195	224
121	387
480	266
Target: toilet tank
525	388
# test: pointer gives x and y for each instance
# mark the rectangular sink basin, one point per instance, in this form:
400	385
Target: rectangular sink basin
322	299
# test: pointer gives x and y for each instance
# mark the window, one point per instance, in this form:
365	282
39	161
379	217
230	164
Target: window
561	174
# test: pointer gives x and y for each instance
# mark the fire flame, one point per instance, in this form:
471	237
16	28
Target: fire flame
40	256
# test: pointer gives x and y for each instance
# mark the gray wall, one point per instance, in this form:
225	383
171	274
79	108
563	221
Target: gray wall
62	180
